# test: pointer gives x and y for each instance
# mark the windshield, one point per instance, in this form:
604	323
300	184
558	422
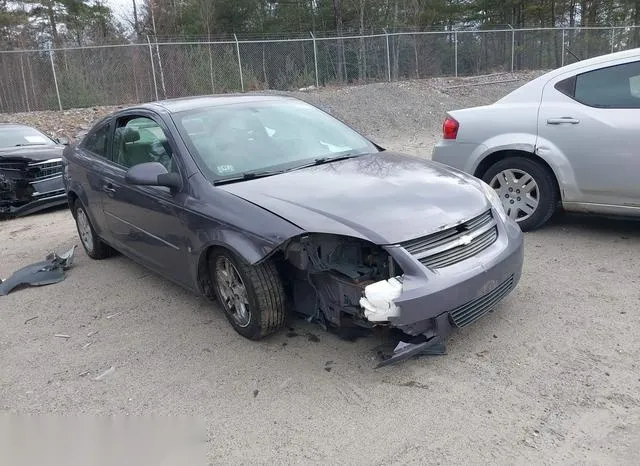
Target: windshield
17	136
230	141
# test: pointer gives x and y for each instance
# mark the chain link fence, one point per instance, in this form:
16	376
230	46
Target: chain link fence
131	73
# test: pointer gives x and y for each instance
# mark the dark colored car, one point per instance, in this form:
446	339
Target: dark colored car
271	205
30	171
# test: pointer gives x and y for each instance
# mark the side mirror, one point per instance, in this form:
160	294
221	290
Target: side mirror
153	174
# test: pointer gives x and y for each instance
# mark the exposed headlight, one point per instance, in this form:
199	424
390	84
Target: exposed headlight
493	197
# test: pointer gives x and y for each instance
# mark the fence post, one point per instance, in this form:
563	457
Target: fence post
24	84
613	38
239	62
513	47
315	58
55	79
386	34
153	68
455	53
563	46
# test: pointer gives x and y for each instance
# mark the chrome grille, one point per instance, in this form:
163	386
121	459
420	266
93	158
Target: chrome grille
455	244
46	169
473	310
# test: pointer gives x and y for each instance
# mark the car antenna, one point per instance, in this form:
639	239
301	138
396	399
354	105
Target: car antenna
573	55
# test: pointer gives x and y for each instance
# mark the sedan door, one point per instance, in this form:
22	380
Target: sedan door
145	222
593	118
91	162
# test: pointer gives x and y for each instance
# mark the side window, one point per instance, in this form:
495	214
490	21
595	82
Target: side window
139	140
96	142
613	87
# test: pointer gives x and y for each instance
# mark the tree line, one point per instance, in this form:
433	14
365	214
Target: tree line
59	23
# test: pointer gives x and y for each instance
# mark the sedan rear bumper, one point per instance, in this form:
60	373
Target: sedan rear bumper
459	295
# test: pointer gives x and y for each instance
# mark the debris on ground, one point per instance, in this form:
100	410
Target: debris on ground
51	270
109	371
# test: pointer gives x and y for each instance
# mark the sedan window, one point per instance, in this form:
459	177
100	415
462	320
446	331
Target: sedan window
258	137
96	142
139	140
613	87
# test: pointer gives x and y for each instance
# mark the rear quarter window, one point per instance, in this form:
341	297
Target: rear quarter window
612	87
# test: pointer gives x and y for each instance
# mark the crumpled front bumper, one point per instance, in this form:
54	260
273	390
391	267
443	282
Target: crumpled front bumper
433	302
20	195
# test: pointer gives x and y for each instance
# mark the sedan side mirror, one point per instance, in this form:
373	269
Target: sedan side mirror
153	174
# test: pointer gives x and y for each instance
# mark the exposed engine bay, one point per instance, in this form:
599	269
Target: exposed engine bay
336	277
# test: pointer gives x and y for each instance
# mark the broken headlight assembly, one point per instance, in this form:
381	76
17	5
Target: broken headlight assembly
334	276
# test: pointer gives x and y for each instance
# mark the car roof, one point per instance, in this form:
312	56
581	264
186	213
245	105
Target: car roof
192	103
14	126
600	59
533	88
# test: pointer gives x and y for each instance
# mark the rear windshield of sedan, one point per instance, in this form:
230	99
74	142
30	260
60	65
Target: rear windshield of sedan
232	140
16	136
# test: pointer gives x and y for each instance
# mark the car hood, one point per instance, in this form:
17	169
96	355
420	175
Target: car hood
35	153
386	198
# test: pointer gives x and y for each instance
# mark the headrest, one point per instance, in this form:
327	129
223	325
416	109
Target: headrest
130	135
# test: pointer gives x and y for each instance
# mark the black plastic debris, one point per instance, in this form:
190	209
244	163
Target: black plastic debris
416	347
51	270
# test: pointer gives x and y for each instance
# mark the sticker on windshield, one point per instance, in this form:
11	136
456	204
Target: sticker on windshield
333	148
222	169
35	139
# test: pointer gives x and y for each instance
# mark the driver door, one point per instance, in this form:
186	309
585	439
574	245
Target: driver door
145	221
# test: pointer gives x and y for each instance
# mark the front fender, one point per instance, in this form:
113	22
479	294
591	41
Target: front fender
251	250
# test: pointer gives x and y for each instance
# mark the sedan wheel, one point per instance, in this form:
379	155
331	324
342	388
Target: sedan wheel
518	192
527	188
252	296
84	229
233	292
92	244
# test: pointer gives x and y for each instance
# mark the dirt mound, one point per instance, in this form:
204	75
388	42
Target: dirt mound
404	115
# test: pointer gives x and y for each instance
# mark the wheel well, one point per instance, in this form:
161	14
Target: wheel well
204	276
71	199
505	154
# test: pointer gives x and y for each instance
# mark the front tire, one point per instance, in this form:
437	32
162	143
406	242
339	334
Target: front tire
527	189
92	244
252	297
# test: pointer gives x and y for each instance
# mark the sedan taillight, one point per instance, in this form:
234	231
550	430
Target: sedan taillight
450	128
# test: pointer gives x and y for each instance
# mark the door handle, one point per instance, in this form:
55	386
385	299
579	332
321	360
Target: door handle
563	121
109	189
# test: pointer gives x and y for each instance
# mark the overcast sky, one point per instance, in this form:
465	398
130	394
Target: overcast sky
122	8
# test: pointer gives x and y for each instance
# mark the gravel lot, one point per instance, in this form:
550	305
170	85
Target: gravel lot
552	376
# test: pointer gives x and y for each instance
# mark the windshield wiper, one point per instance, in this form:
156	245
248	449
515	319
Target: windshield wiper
29	144
247	176
326	159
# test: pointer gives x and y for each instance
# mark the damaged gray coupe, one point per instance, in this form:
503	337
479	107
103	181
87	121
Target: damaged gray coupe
272	206
30	171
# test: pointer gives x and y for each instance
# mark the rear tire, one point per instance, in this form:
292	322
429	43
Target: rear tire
252	296
92	244
545	193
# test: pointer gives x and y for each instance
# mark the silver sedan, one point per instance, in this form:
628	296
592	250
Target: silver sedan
569	138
